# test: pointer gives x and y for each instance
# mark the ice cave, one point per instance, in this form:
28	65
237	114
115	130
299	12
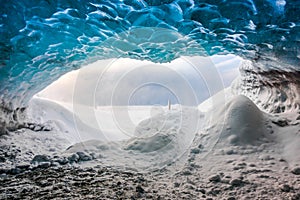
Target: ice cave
149	99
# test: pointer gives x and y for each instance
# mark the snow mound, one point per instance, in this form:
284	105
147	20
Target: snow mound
150	144
157	142
63	119
156	133
239	122
244	122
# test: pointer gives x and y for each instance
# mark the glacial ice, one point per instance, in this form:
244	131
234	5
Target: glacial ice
41	40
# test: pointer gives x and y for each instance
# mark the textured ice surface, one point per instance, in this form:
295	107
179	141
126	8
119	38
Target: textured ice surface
41	40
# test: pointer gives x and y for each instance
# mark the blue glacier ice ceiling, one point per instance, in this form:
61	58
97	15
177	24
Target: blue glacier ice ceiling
42	39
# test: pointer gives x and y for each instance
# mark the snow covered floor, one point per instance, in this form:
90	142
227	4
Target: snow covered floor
224	149
136	137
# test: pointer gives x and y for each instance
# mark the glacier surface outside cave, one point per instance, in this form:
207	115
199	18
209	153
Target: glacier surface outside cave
40	40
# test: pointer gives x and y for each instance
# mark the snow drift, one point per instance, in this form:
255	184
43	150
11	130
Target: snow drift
244	123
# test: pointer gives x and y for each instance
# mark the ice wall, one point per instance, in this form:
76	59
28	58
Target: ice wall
43	39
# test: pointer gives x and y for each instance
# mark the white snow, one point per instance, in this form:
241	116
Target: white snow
152	137
79	123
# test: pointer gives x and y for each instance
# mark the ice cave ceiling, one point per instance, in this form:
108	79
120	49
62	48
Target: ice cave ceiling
42	39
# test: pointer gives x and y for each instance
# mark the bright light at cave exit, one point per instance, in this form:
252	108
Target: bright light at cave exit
147	88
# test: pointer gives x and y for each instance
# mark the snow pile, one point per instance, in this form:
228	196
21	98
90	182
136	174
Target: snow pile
244	123
100	123
158	141
235	122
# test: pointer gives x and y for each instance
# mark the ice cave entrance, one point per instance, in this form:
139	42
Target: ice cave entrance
106	100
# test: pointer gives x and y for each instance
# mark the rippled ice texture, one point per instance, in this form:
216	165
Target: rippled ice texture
43	39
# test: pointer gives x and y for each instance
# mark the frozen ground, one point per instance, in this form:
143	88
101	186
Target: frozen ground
224	149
